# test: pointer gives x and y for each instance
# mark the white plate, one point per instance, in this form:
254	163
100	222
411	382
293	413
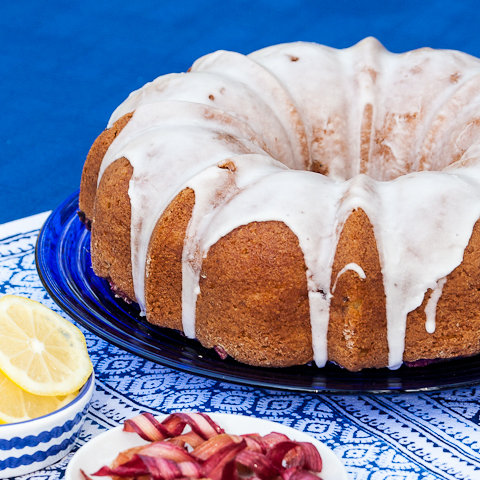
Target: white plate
103	449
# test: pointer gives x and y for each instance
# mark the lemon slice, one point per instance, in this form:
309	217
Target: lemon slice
40	351
16	405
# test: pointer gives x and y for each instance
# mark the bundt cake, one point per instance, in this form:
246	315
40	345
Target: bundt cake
299	203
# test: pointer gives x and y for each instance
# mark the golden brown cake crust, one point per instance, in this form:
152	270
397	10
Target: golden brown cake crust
88	185
110	243
163	282
357	330
253	301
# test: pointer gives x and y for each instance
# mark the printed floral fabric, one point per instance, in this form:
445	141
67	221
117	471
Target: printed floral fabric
422	436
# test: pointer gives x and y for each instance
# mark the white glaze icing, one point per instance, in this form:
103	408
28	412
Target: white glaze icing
372	119
154	143
222	93
214	187
431	307
350	266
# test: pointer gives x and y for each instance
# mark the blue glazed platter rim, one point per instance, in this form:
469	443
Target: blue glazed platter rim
63	262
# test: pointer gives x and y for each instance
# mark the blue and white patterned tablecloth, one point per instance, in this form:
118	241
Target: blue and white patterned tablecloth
423	436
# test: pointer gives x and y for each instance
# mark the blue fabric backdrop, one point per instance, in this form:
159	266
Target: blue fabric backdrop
64	65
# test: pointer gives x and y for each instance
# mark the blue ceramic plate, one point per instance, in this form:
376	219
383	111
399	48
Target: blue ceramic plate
63	263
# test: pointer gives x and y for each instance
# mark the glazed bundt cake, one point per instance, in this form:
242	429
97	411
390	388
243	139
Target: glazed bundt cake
300	203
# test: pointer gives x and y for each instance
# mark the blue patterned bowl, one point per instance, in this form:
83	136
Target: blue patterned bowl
32	445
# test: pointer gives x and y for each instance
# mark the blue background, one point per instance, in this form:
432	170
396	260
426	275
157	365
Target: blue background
65	66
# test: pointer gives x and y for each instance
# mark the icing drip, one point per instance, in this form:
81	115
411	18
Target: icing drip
162	161
409	265
214	187
312	222
392	118
417	247
231	182
431	306
350	266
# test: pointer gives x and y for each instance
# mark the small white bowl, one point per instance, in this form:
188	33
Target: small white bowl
35	444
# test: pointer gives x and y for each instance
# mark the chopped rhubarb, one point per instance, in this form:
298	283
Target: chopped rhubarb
133	468
277	453
161	468
190	438
214	445
313	460
215	466
206	452
147	426
255	443
191	469
294	458
201	424
168	451
258	464
174	424
273	438
222	353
